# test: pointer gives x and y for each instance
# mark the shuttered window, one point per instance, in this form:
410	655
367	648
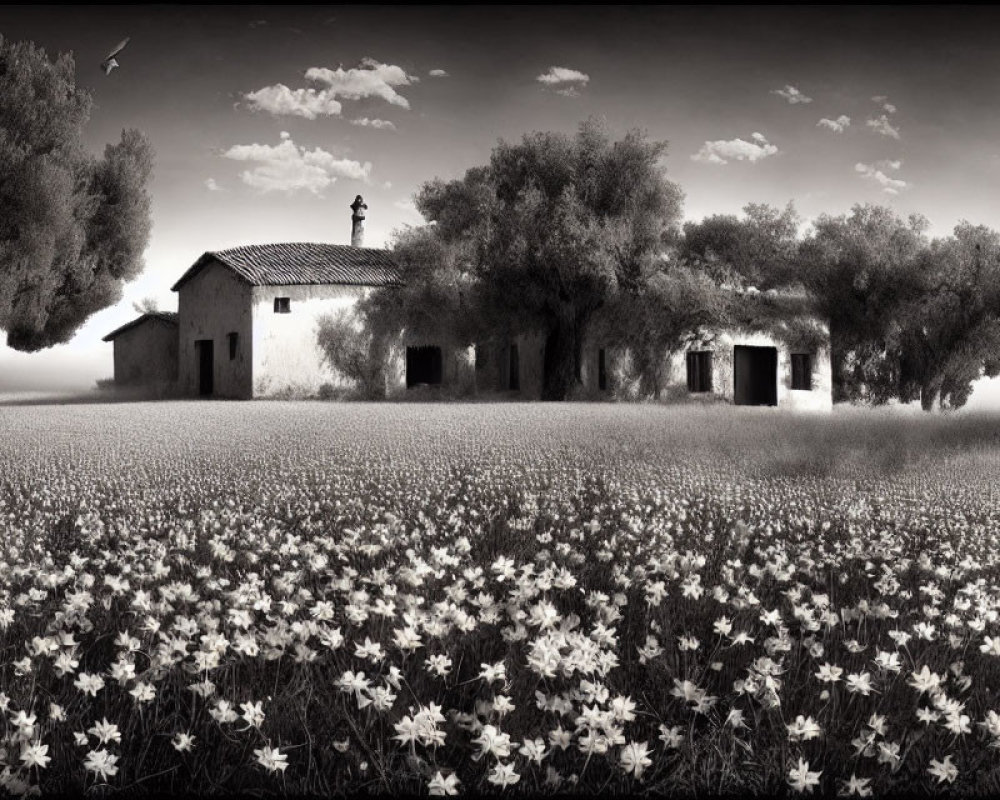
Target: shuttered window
282	305
699	371
234	339
602	371
802	371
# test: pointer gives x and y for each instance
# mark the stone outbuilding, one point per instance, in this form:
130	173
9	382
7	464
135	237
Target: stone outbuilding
248	316
145	351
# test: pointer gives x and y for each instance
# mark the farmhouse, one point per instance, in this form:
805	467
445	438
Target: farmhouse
145	351
248	319
248	316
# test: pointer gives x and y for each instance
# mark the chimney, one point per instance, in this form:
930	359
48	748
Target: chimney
358	222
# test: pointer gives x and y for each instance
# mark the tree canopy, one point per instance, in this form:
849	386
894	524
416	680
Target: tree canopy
548	232
73	226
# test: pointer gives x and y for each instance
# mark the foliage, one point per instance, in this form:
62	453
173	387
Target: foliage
676	305
580	599
863	268
72	227
552	229
148	305
949	335
352	349
759	250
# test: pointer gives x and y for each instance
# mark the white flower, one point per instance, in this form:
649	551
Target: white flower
271	760
943	770
801	779
440	786
491	741
635	758
34	755
183	742
105	731
503	775
102	763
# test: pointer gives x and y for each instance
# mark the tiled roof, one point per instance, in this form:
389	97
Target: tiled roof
162	316
303	263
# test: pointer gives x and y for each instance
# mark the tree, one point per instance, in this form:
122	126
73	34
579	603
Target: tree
148	305
675	305
72	227
863	270
949	334
353	350
555	227
759	250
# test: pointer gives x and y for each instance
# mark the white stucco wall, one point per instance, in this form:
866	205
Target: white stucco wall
286	356
819	398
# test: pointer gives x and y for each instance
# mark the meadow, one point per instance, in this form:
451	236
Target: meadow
316	598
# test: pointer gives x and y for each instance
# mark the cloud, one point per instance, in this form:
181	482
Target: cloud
212	186
438	73
280	100
838	125
288	168
792	95
256	23
370	79
379	124
875	172
722	151
564	81
881	99
883	126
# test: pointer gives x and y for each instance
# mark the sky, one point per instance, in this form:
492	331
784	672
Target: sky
267	121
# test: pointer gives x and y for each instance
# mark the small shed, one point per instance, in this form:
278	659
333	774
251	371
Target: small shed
145	350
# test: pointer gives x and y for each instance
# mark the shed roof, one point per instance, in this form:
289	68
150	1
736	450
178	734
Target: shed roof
299	263
169	317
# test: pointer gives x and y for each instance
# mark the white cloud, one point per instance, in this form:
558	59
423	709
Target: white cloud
370	79
881	99
379	124
212	186
565	81
287	167
838	125
876	172
438	73
722	151
308	103
883	126
792	95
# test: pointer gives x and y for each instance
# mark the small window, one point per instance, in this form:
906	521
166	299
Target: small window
234	339
602	371
802	371
282	305
699	371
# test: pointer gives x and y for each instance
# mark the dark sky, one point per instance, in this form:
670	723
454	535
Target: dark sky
224	96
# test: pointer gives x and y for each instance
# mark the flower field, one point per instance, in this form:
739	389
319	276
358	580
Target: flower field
312	599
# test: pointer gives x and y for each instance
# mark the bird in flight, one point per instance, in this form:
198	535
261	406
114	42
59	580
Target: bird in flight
111	62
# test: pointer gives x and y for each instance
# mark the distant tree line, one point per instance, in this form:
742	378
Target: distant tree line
573	234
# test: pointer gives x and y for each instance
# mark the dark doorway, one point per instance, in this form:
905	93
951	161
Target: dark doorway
602	371
755	376
206	366
423	365
514	371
